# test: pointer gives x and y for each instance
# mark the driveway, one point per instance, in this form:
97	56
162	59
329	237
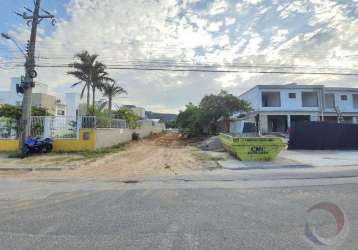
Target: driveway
322	158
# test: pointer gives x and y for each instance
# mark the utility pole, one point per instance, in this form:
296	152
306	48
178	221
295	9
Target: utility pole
30	73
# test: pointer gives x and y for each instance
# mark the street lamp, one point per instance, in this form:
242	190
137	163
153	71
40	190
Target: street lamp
8	37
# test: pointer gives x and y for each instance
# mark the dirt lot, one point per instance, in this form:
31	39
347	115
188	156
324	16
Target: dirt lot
160	155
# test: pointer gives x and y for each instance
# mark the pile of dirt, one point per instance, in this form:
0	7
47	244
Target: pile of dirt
212	144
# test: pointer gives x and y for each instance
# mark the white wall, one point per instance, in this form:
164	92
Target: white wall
344	106
287	104
71	104
253	97
111	136
10	96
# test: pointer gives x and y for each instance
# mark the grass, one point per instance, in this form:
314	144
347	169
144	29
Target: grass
99	153
13	155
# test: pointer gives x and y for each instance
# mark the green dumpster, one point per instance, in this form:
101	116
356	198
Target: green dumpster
252	148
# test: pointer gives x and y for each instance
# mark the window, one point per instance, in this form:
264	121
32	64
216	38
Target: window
60	112
292	95
329	101
309	99
271	99
344	97
355	101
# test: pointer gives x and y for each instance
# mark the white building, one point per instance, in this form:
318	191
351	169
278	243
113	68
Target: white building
139	111
72	104
41	98
9	96
275	107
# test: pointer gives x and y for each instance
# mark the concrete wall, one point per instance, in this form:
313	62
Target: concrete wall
252	96
91	139
108	137
85	142
344	106
8	145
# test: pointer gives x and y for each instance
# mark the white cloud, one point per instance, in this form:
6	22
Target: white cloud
324	33
253	2
214	26
230	21
218	7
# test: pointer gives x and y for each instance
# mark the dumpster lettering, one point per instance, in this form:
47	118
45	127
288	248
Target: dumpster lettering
257	150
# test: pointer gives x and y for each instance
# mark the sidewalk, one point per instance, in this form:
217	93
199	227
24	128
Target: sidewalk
292	159
28	165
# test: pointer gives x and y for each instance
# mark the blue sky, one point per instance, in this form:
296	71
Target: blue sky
8	19
302	32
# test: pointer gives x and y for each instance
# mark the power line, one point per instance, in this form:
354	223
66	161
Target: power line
216	68
213	70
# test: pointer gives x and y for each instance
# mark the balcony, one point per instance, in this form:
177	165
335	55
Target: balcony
271	99
309	99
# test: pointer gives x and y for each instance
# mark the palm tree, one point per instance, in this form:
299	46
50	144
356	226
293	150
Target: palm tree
99	80
110	90
83	71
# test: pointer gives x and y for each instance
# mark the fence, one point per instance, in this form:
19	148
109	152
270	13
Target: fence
321	135
102	122
8	128
57	127
61	127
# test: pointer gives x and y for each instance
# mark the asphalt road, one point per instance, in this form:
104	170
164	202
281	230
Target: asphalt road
185	213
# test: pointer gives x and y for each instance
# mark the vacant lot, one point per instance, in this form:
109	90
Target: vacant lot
159	155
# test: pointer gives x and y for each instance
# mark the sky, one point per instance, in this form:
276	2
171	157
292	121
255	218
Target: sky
310	33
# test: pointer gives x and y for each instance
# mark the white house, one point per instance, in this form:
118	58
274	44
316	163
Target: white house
9	96
275	107
41	98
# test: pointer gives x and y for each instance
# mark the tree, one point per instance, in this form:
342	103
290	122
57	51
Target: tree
212	107
170	124
99	79
10	111
14	112
110	90
90	72
204	118
189	119
128	115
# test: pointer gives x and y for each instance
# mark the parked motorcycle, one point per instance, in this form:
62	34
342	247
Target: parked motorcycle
37	145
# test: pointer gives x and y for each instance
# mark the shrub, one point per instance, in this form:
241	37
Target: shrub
135	136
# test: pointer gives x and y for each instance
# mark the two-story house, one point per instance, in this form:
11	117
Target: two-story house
276	107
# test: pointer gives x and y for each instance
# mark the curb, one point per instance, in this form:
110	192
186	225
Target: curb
29	169
16	169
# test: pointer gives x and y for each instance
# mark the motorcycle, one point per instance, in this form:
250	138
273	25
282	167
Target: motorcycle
37	145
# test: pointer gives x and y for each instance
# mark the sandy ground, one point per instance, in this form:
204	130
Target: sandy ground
160	155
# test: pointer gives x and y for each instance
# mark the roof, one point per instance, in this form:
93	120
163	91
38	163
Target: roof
299	86
340	89
289	86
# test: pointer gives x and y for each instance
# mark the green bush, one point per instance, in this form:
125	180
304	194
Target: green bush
135	136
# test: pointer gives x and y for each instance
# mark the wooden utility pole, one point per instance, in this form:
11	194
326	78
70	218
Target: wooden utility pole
30	73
